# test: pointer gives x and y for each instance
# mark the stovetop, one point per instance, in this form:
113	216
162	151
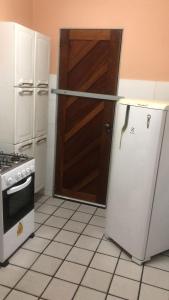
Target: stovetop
10	160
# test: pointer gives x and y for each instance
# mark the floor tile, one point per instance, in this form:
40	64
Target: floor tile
67	237
81	217
70	205
34	282
104	262
54	201
159	261
156	277
110	297
101	212
17	295
56	222
152	293
57	250
98	221
94	231
10	275
42	198
36	244
24	258
47	232
80	256
40	217
87	242
64	290
109	248
64	213
74	226
71	272
97	279
125	288
87	209
3	291
129	269
46	264
84	293
37	204
37	225
125	256
47	209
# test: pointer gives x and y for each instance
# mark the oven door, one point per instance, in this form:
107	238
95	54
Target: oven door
18	201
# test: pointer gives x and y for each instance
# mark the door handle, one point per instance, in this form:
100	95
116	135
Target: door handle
125	124
108	127
19	187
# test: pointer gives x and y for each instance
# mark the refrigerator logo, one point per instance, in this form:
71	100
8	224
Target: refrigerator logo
132	130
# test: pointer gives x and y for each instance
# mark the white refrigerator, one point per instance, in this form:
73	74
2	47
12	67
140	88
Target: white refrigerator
138	191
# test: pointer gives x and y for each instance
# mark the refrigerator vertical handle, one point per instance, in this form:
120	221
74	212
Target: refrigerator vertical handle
125	124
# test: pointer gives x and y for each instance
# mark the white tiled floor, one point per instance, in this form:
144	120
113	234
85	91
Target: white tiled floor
69	258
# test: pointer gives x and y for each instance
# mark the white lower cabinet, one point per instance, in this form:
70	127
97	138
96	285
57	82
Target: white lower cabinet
40	149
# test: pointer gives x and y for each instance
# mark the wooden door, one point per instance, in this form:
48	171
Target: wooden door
89	62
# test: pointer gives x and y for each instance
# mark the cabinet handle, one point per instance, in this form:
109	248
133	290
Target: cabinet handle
24	147
41	141
25	84
25	92
42	92
42	84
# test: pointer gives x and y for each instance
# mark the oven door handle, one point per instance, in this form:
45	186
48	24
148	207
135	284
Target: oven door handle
19	187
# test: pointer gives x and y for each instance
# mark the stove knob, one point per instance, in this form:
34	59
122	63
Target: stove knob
28	170
23	172
19	175
9	180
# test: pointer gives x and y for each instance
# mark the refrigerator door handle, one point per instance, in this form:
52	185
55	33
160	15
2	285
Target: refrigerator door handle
125	124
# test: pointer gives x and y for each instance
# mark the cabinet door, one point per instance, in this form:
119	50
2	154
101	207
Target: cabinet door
41	112
40	147
24	107
24	56
42	53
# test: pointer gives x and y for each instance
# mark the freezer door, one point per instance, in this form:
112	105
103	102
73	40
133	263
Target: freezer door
134	163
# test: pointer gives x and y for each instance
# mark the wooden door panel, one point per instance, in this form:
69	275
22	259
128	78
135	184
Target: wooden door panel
89	62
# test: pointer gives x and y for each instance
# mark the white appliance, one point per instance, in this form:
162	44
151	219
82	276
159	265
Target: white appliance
24	74
16	203
138	192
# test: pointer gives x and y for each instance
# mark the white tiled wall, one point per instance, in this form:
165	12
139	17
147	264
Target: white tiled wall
128	88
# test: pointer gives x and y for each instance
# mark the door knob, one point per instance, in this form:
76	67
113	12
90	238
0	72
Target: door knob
108	127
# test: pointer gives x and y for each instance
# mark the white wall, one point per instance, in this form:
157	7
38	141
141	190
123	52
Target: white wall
140	89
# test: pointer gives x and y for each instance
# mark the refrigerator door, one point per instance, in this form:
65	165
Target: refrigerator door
134	163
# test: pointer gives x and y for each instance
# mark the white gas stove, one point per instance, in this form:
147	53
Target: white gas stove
16	202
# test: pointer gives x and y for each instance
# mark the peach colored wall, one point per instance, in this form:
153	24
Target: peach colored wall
20	11
145	49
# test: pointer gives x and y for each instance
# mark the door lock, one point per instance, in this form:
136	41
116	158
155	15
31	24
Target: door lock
108	127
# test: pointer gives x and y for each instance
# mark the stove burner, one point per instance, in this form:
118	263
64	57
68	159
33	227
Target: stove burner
8	161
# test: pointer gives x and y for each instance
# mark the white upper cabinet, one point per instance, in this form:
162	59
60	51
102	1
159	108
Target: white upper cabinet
24	56
42	53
